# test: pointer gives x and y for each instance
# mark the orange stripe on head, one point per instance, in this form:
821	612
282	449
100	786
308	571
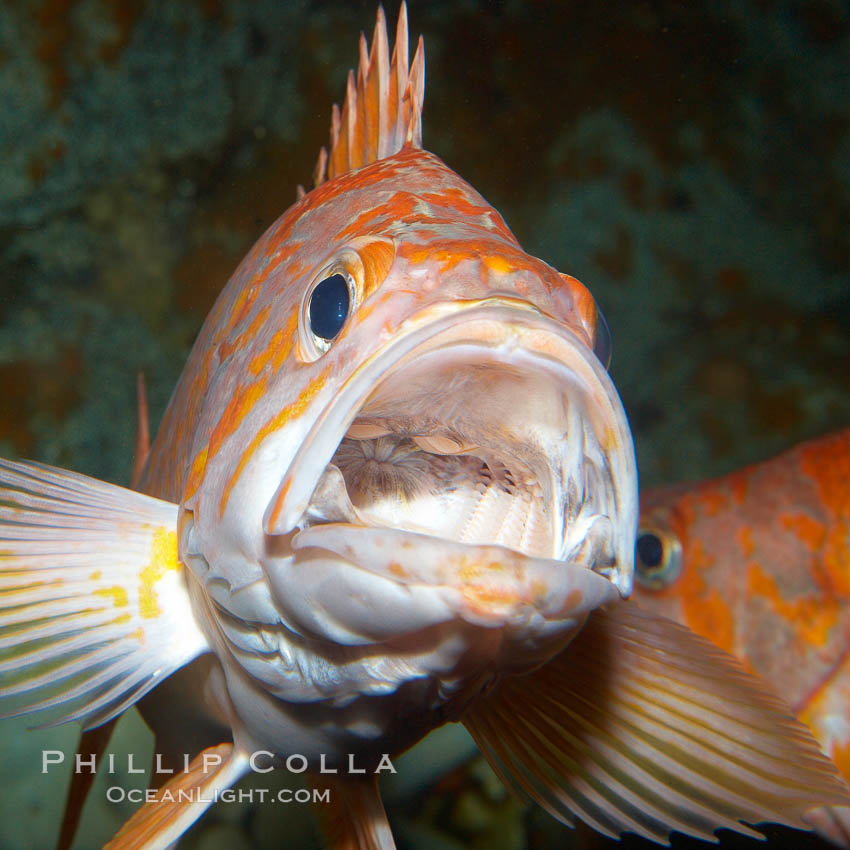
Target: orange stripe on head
278	348
451	252
239	406
277	422
361	224
226	348
456	200
289	330
259	360
196	473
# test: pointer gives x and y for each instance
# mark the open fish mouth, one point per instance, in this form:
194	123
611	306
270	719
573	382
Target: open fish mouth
473	446
489	426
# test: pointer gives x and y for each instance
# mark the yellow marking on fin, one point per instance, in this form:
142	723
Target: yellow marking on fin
96	575
117	593
163	559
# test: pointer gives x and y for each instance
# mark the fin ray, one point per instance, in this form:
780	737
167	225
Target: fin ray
639	725
94	608
382	110
181	801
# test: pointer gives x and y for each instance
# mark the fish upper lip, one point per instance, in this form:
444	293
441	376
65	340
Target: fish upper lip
504	335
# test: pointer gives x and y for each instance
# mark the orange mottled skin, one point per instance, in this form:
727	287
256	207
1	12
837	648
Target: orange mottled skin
766	575
397	210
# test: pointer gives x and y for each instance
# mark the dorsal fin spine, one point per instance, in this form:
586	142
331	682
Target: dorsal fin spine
379	71
382	110
416	89
402	66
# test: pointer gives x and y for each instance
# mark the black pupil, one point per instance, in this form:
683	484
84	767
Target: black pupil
650	549
329	306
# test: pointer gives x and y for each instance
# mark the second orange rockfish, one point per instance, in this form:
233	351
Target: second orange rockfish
758	561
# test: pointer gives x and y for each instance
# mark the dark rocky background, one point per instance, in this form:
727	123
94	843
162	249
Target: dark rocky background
690	162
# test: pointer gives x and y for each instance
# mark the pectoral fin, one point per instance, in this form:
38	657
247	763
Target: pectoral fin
94	608
640	725
182	800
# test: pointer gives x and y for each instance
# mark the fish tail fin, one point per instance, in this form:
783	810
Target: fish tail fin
182	800
94	607
143	431
354	817
92	743
640	725
382	111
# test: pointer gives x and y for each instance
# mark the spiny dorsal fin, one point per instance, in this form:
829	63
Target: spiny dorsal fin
383	106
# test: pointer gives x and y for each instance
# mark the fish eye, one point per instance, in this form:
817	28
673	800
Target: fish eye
602	343
658	558
330	303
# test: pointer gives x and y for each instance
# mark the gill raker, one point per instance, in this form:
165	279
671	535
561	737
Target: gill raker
394	487
759	562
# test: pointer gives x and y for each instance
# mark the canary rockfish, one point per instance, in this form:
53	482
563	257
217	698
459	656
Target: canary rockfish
394	487
758	561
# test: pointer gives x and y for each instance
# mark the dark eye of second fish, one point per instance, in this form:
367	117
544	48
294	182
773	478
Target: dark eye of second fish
329	305
658	558
650	549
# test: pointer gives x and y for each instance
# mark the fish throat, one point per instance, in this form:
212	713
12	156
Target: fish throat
464	446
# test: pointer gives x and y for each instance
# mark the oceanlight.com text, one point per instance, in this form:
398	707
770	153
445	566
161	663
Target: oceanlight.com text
117	794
